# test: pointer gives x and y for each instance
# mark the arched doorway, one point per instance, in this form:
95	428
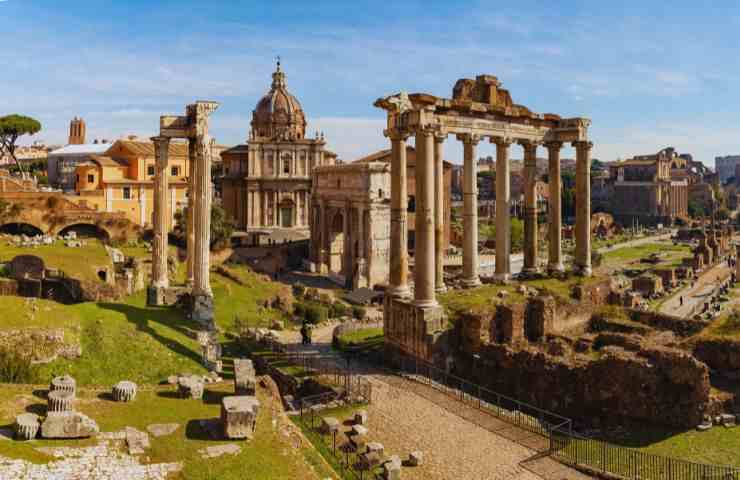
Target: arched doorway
21	229
85	230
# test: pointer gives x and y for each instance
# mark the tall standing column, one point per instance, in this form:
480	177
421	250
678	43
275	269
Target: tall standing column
503	210
424	295
189	218
530	207
555	257
583	207
470	212
399	217
439	213
202	217
160	278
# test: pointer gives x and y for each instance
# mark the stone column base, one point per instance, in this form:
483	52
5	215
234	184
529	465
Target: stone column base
164	296
584	271
441	288
418	331
555	268
398	291
202	311
470	282
501	277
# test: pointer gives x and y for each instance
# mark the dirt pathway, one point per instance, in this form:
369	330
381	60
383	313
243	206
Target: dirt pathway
697	294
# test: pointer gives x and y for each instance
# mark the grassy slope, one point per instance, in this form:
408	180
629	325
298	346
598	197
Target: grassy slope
77	262
268	456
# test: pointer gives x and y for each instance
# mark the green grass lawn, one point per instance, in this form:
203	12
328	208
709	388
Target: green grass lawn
268	456
670	253
128	340
75	262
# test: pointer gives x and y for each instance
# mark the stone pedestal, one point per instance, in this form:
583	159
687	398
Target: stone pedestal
202	311
68	425
26	426
245	381
190	387
239	416
124	391
415	330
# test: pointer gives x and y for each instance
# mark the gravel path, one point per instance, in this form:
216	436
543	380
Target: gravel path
698	294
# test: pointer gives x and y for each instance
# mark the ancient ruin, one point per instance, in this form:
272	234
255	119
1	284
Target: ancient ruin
193	127
478	109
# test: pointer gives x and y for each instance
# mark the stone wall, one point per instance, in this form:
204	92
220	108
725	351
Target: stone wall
684	327
595	293
656	385
719	354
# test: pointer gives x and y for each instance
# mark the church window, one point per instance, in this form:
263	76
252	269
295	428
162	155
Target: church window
150	170
175	171
90	178
127	193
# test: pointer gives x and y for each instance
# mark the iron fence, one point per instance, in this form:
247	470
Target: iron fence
345	458
565	445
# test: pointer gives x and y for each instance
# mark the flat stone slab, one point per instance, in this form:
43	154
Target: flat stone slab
68	425
220	450
162	429
358	430
137	441
329	425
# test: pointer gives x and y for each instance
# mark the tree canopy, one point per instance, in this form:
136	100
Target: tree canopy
12	127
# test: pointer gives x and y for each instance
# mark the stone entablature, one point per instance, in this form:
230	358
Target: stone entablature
350	223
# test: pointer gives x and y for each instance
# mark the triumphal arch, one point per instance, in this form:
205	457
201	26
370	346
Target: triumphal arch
479	109
193	127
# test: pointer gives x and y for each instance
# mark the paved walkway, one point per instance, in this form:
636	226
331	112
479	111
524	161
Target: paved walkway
697	294
458	441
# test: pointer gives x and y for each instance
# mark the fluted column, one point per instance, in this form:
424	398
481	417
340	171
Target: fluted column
202	217
190	228
439	213
424	294
503	210
530	207
583	207
399	217
555	257
470	212
159	250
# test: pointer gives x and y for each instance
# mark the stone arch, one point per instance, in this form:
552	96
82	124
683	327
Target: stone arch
21	228
85	230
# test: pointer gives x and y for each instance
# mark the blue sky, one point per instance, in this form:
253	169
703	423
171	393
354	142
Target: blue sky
649	74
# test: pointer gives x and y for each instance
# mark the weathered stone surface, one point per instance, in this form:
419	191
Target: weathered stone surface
361	417
369	460
415	459
64	383
329	425
358	437
375	447
203	310
239	416
220	450
162	429
392	469
124	391
68	425
244	377
136	441
60	401
190	387
26	426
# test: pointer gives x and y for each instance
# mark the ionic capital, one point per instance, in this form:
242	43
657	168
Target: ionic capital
583	145
554	146
502	141
440	137
396	135
530	147
469	138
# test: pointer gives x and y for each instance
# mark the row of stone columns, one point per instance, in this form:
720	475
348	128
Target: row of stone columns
429	217
198	236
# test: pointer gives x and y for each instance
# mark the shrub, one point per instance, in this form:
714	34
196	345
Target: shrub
16	367
359	312
299	310
338	309
299	290
325	298
316	314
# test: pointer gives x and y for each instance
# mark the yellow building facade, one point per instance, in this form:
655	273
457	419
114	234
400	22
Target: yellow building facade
122	180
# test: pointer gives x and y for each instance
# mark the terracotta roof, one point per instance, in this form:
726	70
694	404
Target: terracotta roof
146	149
107	161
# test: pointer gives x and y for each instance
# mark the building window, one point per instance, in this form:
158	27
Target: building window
380	193
127	193
286	165
90	178
150	170
175	171
411	204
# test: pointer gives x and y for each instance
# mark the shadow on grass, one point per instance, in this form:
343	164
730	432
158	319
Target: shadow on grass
169	317
208	430
37	408
107	396
169	394
214	398
41	394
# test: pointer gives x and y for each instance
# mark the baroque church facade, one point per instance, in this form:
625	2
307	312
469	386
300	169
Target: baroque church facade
266	187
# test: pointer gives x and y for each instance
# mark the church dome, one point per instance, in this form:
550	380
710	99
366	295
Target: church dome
278	114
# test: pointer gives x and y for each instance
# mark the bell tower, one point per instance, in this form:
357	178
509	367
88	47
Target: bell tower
77	131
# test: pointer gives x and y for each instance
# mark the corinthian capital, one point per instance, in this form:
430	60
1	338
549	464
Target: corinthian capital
502	141
396	134
469	138
583	144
